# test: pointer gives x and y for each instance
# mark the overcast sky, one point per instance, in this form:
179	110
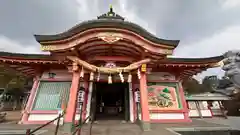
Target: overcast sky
205	27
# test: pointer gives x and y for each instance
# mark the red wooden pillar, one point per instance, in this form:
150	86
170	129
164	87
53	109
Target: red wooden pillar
30	99
86	86
144	102
72	103
184	103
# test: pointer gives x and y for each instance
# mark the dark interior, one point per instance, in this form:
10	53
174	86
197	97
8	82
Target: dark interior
111	101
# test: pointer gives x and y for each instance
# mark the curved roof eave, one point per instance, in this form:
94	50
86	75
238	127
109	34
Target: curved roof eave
106	23
193	60
215	59
25	56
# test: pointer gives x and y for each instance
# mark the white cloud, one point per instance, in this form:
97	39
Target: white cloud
217	44
8	45
90	10
231	4
131	16
227	39
83	9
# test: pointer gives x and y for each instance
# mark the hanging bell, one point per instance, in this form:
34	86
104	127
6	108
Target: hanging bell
129	78
109	79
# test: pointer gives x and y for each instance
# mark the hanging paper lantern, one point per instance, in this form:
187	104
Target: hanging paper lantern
109	79
139	74
129	78
121	77
91	76
98	77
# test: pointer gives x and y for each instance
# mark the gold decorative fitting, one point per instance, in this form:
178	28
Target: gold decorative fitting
110	37
47	47
166	51
144	68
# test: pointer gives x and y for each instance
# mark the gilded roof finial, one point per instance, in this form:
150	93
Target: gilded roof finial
111	8
110	15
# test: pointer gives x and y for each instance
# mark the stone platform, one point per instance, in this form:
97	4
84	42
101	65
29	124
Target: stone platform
121	128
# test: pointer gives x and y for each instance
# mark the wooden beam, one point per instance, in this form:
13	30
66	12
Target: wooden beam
111	58
22	68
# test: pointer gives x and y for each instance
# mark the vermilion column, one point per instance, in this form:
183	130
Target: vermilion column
72	103
184	103
30	99
144	102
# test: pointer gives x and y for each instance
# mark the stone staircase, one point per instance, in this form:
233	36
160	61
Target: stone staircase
112	128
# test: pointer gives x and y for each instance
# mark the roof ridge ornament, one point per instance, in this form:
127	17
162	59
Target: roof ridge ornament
111	15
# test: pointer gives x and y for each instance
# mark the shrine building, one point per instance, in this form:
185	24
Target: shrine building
124	71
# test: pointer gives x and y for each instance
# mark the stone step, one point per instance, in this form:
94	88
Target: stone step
104	128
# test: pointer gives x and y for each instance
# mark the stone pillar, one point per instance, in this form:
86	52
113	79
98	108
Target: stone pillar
30	100
72	103
144	102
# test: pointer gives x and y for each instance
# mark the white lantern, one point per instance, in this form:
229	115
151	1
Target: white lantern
81	94
137	96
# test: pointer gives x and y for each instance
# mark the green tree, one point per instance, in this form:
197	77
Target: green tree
191	86
11	81
209	83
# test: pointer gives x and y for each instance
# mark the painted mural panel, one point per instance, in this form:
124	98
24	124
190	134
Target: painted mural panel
163	96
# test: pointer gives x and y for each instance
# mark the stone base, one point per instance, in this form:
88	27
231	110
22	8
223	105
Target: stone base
68	127
145	125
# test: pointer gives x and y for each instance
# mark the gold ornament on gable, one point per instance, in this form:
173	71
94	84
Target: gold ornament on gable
47	47
110	37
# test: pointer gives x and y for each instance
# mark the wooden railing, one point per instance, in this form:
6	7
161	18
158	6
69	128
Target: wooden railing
29	132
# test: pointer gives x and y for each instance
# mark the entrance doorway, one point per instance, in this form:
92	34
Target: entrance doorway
112	101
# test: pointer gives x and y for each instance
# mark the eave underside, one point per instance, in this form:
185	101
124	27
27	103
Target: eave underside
123	48
182	67
28	64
